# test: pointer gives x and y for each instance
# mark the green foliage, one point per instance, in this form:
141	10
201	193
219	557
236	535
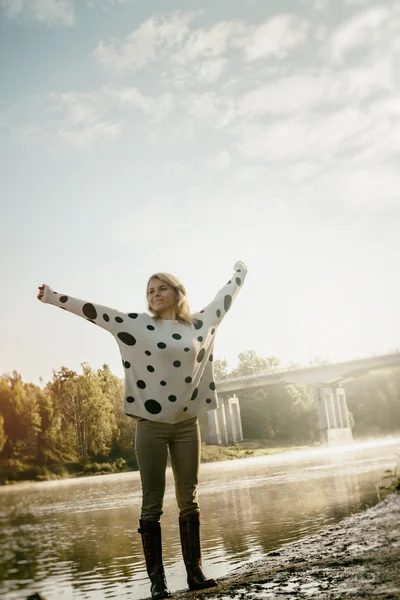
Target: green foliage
250	363
75	420
374	402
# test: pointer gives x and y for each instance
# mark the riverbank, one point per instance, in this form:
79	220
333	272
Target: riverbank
14	471
359	558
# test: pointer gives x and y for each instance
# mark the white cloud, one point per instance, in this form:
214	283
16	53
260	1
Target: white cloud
276	37
369	29
299	93
146	44
87	133
82	118
220	162
155	109
201	51
318	137
50	12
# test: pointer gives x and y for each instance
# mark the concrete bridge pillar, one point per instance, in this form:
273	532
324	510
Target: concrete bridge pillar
224	423
333	416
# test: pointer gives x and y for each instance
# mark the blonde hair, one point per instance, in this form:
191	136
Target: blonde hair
182	308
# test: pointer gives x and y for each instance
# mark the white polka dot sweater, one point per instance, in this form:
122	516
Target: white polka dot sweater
168	365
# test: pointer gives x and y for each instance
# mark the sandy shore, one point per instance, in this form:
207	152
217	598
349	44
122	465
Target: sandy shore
359	558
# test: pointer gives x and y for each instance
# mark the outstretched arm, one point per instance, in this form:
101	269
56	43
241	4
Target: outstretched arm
217	309
103	316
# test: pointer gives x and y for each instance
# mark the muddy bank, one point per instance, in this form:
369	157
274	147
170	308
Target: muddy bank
359	558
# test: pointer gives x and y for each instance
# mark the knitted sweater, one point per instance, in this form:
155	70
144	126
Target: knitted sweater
168	366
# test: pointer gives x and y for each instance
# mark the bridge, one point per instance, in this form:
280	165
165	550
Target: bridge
317	375
224	424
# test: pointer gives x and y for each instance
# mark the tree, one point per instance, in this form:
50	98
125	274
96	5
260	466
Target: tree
86	410
3	436
221	368
250	363
21	418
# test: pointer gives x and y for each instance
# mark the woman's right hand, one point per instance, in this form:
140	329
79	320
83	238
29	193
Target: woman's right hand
41	291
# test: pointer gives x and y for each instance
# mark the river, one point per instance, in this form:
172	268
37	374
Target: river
77	538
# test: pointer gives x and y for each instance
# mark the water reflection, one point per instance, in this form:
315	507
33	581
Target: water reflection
78	539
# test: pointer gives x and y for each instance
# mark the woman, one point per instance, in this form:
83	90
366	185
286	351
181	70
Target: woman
169	382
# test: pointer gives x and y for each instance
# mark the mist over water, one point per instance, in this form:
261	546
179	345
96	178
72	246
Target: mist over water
78	538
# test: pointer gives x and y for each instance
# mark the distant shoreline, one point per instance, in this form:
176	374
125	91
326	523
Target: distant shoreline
209	453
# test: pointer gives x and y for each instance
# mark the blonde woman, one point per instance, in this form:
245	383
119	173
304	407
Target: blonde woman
169	381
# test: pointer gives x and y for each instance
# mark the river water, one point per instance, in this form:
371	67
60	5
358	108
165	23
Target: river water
77	539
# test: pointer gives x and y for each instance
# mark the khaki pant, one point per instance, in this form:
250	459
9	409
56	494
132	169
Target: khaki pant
153	440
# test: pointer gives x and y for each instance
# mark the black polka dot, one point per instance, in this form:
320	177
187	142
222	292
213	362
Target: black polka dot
64	299
188	380
153	407
119	320
163	383
200	355
62	308
161	345
200	338
177	363
54	292
218	313
106	317
127	338
150	327
238	280
150	369
194	395
201	312
227	302
176	336
238	271
187	349
212	386
127	364
148	352
130	399
133	315
229	282
89	311
185	409
208	400
141	384
172	398
212	331
198	324
90	321
211	357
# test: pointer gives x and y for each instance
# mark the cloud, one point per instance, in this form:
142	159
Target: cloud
50	12
146	44
82	118
324	137
368	30
275	38
200	54
306	91
156	109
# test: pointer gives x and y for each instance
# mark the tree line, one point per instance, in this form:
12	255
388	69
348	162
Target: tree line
75	423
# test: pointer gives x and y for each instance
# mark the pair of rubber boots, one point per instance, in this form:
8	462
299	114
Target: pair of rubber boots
189	528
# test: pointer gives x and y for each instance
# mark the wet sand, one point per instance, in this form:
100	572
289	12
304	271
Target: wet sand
359	558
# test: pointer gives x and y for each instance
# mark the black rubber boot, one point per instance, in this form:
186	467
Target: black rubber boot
189	528
151	539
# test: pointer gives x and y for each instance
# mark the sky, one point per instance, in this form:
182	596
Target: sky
161	135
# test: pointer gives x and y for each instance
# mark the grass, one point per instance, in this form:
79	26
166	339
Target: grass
210	453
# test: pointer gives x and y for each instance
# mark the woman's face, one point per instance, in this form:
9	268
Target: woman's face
161	296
